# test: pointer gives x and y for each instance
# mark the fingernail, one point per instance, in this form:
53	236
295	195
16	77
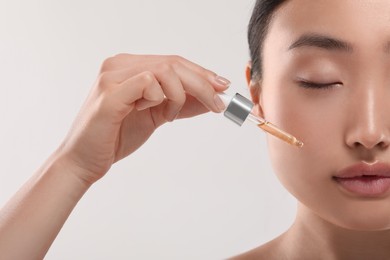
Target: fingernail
219	103
222	81
177	116
172	116
141	106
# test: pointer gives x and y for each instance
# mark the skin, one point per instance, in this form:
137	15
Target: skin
341	125
125	106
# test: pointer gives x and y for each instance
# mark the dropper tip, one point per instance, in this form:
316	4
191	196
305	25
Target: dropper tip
299	143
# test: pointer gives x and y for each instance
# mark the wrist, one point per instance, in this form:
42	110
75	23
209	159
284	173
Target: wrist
61	160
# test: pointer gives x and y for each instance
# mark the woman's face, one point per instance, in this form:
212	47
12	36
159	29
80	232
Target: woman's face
344	118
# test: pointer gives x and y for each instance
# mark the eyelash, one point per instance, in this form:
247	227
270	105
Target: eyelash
315	85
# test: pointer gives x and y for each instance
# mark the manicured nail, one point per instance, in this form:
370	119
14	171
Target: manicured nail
219	103
222	81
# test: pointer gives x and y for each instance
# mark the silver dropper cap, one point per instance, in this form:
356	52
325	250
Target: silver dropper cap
238	109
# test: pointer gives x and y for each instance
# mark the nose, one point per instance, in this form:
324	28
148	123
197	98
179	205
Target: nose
368	123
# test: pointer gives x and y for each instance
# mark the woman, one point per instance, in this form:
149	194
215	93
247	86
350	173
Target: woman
319	70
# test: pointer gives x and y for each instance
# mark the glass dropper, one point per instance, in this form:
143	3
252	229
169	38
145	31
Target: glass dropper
239	109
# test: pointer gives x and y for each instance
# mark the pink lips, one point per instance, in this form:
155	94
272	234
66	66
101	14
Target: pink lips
369	180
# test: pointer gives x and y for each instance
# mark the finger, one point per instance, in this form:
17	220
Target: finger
172	81
218	82
200	88
143	104
173	89
143	86
191	108
168	80
152	96
145	62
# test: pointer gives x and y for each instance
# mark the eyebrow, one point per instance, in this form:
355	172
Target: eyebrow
321	41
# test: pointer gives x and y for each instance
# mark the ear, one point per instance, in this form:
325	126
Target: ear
255	90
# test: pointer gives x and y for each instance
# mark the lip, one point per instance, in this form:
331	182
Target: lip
363	179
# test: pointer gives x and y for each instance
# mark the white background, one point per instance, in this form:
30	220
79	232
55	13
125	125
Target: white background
200	188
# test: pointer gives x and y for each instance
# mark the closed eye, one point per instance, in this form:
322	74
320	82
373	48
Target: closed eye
317	85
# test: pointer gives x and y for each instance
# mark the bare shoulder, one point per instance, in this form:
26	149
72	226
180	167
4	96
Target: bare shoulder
269	251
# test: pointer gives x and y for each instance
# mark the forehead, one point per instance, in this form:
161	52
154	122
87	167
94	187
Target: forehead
362	22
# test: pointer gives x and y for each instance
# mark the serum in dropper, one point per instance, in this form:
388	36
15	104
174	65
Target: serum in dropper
239	109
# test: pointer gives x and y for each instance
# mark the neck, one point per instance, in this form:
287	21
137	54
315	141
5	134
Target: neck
312	237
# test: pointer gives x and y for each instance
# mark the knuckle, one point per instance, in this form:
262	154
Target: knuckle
160	98
175	64
179	98
147	78
165	68
104	80
114	62
120	56
104	83
107	64
175	58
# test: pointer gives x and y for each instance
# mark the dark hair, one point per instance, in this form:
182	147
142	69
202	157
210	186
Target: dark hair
257	30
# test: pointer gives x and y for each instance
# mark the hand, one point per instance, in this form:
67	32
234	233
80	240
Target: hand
133	95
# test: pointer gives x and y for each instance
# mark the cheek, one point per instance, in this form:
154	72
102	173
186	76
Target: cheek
319	120
312	117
